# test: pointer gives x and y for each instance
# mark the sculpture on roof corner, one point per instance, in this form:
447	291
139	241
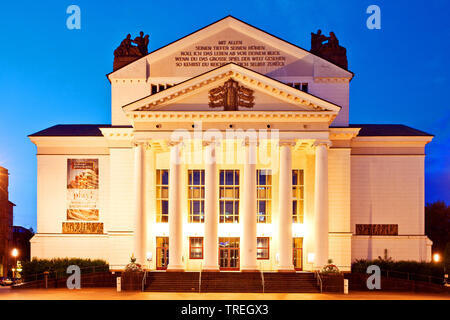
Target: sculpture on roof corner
126	52
330	50
230	96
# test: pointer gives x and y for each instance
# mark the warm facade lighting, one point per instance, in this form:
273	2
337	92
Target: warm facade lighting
310	257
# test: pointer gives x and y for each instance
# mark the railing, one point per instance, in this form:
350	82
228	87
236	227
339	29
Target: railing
200	279
319	280
62	273
412	276
262	279
144	280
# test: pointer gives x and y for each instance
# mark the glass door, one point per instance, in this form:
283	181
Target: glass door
229	253
297	255
162	253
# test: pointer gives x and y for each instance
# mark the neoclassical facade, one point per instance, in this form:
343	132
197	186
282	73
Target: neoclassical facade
230	149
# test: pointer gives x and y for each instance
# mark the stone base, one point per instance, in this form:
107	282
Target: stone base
250	270
286	270
210	270
175	270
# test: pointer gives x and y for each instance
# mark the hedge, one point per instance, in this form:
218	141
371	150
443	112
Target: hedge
412	267
59	265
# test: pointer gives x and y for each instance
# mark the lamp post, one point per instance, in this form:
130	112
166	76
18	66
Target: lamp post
15	253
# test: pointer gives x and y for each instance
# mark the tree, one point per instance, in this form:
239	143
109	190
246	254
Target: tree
437	225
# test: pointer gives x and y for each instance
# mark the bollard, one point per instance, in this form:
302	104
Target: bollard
119	284
345	286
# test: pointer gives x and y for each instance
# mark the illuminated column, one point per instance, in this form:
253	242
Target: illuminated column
211	258
175	214
248	223
321	204
285	263
139	223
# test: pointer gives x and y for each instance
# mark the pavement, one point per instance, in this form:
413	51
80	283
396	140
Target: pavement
7	293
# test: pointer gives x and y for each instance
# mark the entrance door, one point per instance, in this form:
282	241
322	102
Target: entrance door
162	253
297	255
229	253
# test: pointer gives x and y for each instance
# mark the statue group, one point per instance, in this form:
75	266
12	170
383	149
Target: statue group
331	50
127	49
126	52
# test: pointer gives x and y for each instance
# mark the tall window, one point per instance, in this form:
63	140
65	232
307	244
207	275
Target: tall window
196	195
162	195
262	248
264	195
297	196
195	248
229	196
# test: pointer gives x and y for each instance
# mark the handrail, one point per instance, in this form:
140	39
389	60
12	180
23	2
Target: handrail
319	280
144	280
200	279
262	279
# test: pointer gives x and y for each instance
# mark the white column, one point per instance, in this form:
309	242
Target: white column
321	205
139	226
248	223
210	242
285	263
175	213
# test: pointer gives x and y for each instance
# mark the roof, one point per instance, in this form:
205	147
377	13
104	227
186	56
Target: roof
93	130
243	22
392	130
74	130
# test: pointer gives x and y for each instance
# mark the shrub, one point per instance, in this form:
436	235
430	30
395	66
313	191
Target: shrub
413	267
59	265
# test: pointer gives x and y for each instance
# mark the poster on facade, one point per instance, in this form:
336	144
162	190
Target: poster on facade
82	190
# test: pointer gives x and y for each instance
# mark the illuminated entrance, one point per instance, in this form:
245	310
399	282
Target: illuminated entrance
229	253
297	245
162	253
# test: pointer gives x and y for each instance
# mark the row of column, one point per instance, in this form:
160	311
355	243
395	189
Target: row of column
248	236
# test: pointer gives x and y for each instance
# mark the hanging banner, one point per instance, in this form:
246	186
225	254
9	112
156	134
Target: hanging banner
82	190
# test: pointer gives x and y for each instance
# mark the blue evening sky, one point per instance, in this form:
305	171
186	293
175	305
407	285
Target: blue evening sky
51	75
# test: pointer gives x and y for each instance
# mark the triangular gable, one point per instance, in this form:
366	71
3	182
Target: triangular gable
295	58
287	98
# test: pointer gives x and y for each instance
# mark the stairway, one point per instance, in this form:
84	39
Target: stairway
231	282
301	282
274	282
172	281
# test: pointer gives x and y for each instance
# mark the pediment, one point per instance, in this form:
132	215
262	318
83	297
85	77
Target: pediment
230	40
267	94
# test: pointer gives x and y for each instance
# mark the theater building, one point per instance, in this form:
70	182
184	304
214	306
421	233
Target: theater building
230	149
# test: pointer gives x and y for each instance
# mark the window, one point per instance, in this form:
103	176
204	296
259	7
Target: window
196	248
303	86
155	88
263	196
262	248
297	196
229	196
162	195
196	195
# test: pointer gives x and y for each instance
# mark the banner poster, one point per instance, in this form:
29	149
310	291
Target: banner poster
82	190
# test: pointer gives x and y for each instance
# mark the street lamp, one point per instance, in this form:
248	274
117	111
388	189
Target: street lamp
14	253
436	257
